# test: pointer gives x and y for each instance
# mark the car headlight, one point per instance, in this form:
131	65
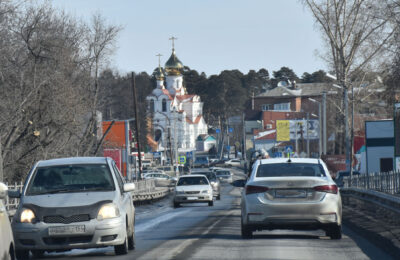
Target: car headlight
206	191
108	211
179	192
27	216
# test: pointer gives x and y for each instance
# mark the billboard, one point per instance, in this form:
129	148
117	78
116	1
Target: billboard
282	130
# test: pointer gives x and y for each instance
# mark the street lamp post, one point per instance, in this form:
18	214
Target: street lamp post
321	134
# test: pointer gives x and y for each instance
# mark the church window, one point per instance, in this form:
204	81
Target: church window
151	106
164	105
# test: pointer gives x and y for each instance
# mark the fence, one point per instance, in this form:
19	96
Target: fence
388	182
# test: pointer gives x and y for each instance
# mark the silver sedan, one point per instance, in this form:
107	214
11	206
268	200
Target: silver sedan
291	194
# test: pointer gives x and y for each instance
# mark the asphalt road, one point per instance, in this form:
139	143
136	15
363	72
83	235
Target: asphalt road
197	231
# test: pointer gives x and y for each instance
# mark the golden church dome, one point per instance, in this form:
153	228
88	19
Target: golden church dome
173	66
159	74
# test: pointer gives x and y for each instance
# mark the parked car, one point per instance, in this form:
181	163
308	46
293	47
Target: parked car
6	236
69	203
340	175
201	162
161	179
224	175
233	162
295	193
214	181
193	189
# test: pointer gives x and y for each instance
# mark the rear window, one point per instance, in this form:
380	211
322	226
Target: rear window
210	175
290	170
220	173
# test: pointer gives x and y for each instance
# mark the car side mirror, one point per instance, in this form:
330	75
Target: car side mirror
14	194
239	183
129	187
3	191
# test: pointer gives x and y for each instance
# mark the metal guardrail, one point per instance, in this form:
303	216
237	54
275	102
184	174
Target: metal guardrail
387	182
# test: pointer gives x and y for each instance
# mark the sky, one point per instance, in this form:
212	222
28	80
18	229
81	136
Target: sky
213	35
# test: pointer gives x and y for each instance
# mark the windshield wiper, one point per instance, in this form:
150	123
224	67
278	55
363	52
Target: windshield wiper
52	192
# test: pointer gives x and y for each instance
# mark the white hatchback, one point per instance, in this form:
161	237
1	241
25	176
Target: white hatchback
6	236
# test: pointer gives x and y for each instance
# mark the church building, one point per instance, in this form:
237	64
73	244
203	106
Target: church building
177	117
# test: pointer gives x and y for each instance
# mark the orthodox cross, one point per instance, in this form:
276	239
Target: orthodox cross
173	39
159	59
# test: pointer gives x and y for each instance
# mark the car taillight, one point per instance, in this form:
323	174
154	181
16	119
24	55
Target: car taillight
250	189
327	188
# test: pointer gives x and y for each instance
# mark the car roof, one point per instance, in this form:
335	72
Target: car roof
293	160
73	160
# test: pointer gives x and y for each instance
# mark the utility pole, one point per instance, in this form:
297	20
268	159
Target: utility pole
307	136
324	134
137	124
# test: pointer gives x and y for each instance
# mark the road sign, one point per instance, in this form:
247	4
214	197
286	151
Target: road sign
289	149
218	130
182	159
156	154
228	147
230	130
189	154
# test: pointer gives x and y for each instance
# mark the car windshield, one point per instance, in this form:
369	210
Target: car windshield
71	178
223	173
192	181
290	170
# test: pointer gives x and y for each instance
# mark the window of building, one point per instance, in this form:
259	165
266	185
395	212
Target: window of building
151	106
282	107
266	107
164	105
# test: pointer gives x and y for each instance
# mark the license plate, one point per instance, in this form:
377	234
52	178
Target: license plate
66	230
290	194
192	198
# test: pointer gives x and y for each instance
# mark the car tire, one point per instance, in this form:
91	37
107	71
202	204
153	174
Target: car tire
211	203
22	254
246	231
37	254
219	197
123	248
334	232
131	239
176	205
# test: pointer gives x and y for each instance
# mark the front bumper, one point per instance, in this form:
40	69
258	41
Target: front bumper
193	198
96	233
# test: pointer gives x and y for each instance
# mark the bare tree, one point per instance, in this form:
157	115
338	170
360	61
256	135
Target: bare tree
100	39
356	33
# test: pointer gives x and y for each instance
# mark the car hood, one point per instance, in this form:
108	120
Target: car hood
192	188
69	199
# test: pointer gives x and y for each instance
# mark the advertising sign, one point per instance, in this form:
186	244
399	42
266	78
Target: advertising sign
282	130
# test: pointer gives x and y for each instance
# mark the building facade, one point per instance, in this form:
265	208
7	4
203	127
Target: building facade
177	117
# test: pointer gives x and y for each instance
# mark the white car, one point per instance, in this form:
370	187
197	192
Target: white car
70	203
295	193
6	235
233	162
193	189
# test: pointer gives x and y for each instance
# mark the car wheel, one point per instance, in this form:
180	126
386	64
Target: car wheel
131	238
37	253
334	232
22	254
123	248
211	203
246	231
176	205
219	197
